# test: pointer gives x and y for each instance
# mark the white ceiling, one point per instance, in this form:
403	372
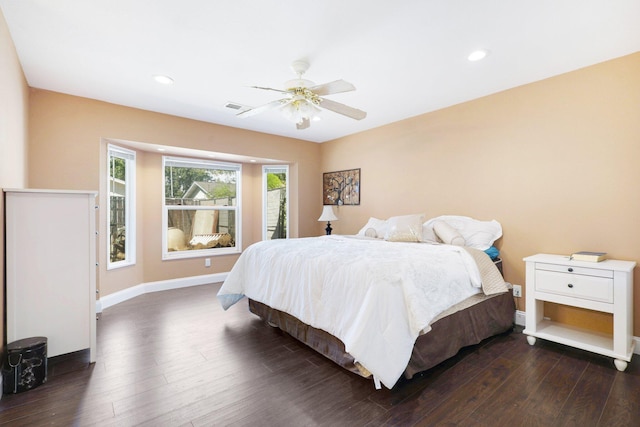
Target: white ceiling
405	57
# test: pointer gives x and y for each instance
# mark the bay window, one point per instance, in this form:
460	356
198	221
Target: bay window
201	208
121	230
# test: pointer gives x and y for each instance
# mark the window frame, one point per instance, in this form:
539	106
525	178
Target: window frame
129	156
206	164
265	170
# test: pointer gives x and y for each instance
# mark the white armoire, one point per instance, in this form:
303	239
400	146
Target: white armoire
50	255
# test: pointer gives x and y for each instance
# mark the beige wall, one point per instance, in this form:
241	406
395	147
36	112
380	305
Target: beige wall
14	103
67	149
557	162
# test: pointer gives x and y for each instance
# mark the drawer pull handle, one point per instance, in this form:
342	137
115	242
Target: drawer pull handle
570	285
570	270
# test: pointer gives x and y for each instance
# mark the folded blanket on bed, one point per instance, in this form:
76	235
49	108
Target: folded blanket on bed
375	296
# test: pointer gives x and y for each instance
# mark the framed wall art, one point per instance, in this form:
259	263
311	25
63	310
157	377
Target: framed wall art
341	187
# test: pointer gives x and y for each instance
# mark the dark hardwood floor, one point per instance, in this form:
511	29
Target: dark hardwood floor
174	358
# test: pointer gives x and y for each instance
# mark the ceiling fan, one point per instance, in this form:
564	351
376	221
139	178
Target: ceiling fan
304	99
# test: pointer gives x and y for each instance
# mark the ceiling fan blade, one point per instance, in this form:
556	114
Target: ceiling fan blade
262	108
305	123
345	110
269	88
337	86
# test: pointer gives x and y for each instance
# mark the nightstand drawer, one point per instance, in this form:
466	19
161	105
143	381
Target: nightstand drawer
574	269
575	285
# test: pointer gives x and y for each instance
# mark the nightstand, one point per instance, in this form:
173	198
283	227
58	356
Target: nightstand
605	286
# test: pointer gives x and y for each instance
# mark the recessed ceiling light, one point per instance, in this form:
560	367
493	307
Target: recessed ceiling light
478	55
165	80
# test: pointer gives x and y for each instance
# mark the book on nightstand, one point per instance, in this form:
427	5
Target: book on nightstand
589	256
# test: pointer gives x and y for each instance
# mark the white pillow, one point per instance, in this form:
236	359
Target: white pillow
448	234
374	228
428	235
477	234
371	232
404	228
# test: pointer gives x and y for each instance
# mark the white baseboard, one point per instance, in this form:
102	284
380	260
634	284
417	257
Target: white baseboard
163	285
520	318
520	321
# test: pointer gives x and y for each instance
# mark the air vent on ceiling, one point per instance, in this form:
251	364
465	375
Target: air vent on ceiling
233	106
237	108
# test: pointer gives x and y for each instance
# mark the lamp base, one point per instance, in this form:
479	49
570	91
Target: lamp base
328	229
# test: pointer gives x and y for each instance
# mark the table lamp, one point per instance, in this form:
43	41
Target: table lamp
328	215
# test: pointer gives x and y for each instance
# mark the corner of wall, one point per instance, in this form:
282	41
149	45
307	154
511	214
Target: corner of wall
14	113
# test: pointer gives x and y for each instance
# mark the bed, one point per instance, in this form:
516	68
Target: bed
391	301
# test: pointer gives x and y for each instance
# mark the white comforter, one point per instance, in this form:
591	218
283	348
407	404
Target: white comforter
375	296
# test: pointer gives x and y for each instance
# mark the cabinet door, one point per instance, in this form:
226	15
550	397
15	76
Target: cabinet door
50	252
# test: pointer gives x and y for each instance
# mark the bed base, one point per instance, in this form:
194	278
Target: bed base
491	316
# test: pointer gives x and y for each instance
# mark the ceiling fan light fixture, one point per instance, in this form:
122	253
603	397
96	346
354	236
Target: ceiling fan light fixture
300	109
291	113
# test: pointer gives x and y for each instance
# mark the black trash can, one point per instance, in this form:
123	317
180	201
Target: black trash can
26	365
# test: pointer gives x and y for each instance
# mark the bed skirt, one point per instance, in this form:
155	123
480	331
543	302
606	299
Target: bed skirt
476	320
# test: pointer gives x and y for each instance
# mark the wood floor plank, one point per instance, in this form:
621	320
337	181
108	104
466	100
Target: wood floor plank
461	403
175	358
230	403
439	386
520	386
543	406
586	403
623	404
216	388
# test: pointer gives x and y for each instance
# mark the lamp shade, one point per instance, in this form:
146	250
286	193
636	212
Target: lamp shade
327	214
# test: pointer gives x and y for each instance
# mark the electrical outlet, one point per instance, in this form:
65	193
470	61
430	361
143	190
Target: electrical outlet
517	291
207	262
